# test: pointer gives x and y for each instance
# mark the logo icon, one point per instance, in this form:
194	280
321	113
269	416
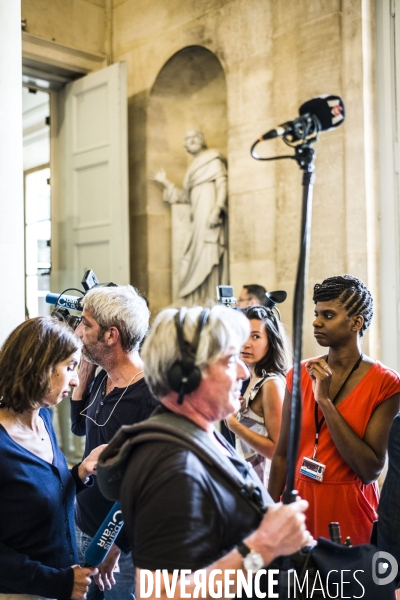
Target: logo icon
384	568
336	111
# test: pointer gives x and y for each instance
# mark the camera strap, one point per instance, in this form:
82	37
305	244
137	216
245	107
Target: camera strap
172	428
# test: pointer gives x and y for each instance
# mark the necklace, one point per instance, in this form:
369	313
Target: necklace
40	432
318	424
115	406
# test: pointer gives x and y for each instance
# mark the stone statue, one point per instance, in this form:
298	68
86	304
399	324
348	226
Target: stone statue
204	263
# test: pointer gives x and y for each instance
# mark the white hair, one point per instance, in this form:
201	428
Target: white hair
123	308
224	329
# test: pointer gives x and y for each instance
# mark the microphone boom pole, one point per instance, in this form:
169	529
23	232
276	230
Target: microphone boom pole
305	159
318	114
304	156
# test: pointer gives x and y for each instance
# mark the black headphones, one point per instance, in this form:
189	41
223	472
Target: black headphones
184	376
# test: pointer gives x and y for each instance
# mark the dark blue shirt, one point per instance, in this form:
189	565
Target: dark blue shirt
37	538
115	409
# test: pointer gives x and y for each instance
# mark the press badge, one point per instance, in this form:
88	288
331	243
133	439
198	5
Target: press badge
312	468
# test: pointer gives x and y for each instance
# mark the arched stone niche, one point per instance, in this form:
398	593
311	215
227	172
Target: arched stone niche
189	93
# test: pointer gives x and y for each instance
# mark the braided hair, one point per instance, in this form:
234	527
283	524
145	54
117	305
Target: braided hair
351	293
277	357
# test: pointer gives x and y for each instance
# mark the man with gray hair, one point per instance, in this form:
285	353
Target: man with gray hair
114	323
181	510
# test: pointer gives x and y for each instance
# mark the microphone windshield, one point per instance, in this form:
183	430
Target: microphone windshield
329	110
276	297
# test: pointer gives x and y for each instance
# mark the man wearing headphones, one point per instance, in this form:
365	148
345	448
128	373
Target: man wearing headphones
180	511
114	322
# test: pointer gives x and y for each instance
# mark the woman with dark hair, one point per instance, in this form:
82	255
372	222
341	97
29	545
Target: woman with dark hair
38	555
258	423
349	401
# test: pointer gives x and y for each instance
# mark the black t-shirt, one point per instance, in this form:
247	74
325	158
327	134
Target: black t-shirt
136	405
180	513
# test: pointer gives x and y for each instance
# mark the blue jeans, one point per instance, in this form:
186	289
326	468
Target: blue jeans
124	588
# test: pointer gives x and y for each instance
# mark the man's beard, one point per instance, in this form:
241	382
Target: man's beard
92	357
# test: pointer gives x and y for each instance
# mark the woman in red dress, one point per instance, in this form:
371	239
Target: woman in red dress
348	401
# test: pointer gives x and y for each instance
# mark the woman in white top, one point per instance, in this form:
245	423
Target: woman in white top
257	424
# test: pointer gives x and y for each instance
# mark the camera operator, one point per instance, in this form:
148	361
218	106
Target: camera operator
114	322
252	295
180	513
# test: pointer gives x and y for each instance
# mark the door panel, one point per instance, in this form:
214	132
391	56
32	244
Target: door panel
92	194
97	255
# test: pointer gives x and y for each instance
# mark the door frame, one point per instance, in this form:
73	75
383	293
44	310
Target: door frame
28	172
387	18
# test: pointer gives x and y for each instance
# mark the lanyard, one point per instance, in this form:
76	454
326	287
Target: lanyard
318	424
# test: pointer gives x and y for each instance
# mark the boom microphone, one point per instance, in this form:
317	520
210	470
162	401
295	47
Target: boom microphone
318	114
105	536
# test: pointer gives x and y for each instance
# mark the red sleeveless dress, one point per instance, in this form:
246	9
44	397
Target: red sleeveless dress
341	496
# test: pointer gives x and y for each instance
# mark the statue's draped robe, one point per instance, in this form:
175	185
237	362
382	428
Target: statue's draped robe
204	261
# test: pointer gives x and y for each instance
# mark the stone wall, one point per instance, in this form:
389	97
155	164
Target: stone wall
319	47
239	34
80	24
275	54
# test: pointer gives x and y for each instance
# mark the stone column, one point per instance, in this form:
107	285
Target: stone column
360	174
12	271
